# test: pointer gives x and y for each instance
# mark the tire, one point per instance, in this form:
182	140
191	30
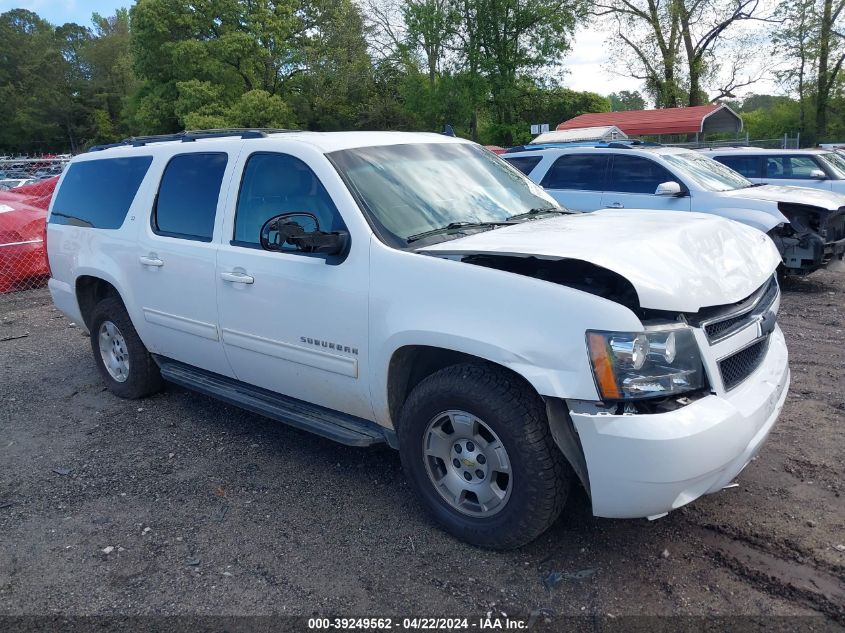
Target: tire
515	416
141	376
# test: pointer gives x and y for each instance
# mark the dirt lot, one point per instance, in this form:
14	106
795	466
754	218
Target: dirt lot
181	505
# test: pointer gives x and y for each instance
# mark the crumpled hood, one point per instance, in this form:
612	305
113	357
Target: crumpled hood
676	261
796	195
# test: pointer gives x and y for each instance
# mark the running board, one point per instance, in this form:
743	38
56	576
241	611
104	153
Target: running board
334	425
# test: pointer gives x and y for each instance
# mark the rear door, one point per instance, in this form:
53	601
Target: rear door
632	183
173	275
577	180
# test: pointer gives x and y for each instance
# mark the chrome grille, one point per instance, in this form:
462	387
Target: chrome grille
738	316
739	366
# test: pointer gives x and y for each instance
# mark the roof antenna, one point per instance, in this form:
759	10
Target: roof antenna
447	130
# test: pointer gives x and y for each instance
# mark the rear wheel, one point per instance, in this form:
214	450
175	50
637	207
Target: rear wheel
476	446
124	363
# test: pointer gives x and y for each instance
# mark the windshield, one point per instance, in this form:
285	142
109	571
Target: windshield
836	164
707	173
408	190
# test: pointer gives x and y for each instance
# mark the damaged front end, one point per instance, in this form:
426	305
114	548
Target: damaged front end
578	274
813	238
643	457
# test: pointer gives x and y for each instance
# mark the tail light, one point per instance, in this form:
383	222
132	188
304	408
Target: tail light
44	244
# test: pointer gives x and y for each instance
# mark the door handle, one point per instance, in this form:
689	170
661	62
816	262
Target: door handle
151	260
237	278
614	205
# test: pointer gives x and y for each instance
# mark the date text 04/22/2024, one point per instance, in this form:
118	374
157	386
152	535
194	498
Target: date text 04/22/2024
420	624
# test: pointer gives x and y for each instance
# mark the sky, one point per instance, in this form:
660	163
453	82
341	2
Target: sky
586	62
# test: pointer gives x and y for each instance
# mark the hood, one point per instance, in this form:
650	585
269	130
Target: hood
797	195
676	261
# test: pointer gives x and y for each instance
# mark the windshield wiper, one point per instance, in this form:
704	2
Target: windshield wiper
533	213
455	226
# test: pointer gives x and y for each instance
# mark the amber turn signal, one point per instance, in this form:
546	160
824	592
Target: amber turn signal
603	367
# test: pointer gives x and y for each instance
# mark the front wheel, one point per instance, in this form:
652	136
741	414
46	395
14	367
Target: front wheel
476	446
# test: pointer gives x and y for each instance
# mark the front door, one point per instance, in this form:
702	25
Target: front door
292	322
795	171
632	184
576	181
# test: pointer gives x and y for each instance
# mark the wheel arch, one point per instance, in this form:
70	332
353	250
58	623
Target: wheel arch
90	290
411	364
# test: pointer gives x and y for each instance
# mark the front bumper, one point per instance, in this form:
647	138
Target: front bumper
834	250
646	465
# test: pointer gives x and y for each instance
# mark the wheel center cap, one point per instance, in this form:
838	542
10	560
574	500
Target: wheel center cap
468	463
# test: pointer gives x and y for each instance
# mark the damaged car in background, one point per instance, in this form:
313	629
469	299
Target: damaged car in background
415	290
806	225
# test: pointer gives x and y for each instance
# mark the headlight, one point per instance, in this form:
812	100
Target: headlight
652	364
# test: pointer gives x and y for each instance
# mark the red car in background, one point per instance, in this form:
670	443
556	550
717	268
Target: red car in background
23	212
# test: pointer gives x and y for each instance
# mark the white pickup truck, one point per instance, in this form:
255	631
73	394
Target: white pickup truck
416	290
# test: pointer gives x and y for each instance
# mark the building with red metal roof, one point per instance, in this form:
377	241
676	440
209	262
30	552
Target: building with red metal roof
704	119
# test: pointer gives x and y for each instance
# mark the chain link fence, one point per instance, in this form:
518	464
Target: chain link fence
26	187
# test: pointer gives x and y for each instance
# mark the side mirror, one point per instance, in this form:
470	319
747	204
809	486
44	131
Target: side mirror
818	174
670	188
302	231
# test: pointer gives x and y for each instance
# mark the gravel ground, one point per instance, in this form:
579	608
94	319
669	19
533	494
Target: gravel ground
181	505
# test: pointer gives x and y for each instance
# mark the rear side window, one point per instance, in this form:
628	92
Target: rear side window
525	164
632	174
583	172
186	204
98	193
748	166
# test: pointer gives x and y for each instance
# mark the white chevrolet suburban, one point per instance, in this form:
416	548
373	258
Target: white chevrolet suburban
414	289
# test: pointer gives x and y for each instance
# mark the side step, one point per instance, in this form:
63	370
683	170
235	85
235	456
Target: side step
334	425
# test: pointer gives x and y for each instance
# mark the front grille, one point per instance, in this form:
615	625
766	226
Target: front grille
740	315
836	226
716	330
739	366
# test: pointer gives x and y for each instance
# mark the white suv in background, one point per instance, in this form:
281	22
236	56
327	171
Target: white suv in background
415	290
807	225
820	169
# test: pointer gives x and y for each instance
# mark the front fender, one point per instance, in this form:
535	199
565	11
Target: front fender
763	221
535	328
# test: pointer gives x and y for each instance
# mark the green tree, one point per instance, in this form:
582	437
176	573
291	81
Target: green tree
336	81
626	100
519	37
111	80
42	77
810	36
432	27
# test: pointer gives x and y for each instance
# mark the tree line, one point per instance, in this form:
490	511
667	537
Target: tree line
488	68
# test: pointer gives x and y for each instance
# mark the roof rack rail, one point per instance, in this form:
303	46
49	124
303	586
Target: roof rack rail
620	144
189	136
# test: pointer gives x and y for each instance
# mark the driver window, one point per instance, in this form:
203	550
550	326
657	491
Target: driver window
273	184
632	174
